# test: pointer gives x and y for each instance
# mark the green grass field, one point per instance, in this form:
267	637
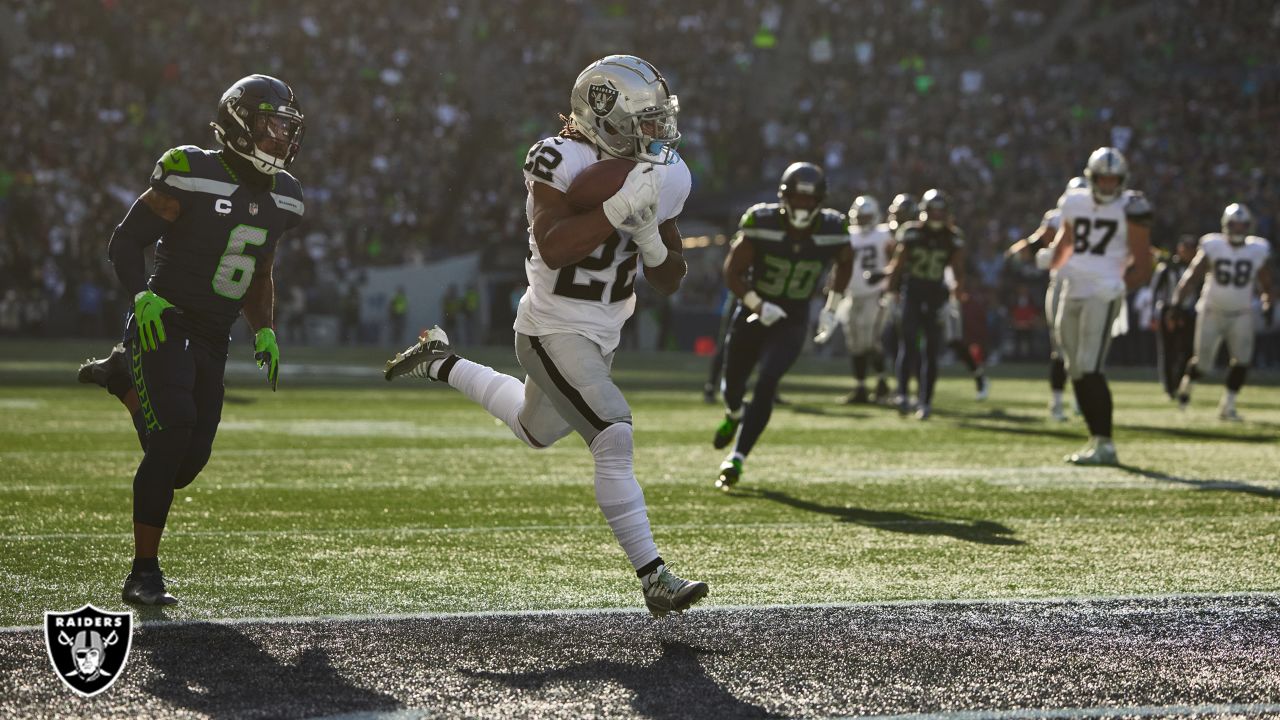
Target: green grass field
341	494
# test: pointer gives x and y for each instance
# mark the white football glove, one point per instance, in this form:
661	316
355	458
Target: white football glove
826	326
770	313
647	239
1044	258
639	191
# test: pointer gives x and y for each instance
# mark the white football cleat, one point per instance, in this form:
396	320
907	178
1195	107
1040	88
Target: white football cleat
415	360
665	592
1097	452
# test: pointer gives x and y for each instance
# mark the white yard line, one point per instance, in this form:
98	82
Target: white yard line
1090	712
588	612
961	524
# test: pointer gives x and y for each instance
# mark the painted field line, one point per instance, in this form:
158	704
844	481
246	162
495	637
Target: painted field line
1091	712
591	612
960	524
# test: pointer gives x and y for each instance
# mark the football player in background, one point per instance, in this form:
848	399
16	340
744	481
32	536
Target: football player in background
780	252
217	217
917	275
1175	324
862	310
581	268
1104	244
953	332
1038	243
1229	263
903	209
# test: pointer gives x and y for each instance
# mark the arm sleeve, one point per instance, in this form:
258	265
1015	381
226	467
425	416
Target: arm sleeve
140	228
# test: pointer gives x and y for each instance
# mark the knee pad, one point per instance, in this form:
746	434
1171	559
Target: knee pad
615	478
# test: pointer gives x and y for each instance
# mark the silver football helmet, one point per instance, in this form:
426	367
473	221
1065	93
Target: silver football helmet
622	104
1106	162
865	211
1237	222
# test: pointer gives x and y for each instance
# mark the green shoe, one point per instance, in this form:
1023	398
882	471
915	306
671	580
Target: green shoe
730	473
725	434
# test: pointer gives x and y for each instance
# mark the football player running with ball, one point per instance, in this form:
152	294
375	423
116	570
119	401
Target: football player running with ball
581	269
1104	246
218	217
779	254
1229	263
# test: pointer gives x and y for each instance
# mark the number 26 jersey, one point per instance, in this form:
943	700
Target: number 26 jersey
594	296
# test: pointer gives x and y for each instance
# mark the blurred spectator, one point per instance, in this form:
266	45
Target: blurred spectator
397	310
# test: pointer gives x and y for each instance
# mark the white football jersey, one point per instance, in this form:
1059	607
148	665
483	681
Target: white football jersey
1101	252
1231	271
1053	221
871	248
596	295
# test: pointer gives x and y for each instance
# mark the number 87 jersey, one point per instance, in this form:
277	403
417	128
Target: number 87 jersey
1101	248
594	296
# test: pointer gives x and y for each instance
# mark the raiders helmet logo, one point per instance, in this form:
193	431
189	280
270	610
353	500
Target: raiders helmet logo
253	208
88	647
602	99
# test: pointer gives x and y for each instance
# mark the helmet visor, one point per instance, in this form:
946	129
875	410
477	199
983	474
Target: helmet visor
277	134
656	132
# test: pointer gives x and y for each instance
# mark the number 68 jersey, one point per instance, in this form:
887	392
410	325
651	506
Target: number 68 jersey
1231	272
594	296
1101	251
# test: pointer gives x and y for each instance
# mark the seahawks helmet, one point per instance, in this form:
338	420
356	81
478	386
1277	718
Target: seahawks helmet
259	119
1237	222
865	211
1107	162
935	209
623	106
903	209
802	179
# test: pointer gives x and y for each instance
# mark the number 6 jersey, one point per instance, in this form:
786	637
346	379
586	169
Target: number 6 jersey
1231	272
594	296
1101	251
208	256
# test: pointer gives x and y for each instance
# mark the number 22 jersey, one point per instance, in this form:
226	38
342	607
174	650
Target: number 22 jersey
594	296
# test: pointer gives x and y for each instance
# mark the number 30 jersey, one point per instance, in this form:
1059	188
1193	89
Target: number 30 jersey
1101	251
1231	271
596	295
788	263
207	258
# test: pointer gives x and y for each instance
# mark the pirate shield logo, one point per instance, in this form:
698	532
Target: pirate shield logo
602	99
88	647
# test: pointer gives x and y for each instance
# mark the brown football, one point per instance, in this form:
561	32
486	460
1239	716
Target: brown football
598	182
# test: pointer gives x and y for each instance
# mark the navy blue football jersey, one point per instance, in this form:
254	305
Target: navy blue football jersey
926	253
788	263
208	256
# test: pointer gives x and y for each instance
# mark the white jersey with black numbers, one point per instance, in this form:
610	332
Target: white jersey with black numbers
1231	271
596	295
871	250
1101	250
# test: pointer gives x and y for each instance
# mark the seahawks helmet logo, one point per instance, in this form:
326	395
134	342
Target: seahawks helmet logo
602	99
88	647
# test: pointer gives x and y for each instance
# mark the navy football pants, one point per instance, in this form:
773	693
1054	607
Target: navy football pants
775	349
921	325
180	392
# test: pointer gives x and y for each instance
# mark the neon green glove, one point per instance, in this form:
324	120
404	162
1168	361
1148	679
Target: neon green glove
148	309
267	353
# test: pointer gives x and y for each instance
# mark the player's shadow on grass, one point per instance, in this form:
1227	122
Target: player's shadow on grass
218	671
1203	434
1223	485
984	532
673	686
1012	430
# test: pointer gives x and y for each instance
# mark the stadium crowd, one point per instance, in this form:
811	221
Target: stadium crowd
419	115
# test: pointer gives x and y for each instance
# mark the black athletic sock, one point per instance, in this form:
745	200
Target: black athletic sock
1094	397
445	366
119	385
1057	374
141	565
877	362
1235	378
650	567
860	368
